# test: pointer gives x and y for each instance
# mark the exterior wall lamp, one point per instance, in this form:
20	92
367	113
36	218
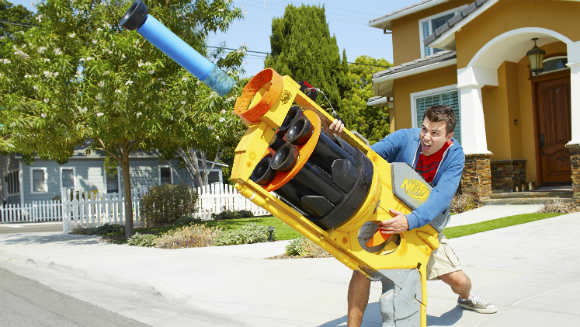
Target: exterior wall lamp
536	56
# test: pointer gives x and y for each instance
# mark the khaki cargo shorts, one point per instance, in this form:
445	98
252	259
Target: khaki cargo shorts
442	261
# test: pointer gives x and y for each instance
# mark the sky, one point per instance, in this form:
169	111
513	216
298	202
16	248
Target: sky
347	20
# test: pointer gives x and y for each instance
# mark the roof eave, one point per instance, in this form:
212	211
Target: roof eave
389	79
447	40
385	23
378	103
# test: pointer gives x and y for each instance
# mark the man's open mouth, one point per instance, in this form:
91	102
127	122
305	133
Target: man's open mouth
426	147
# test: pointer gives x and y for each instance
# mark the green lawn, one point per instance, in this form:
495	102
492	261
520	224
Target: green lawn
453	232
285	232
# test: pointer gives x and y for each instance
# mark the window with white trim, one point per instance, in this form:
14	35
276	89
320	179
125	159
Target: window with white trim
67	178
444	96
38	180
555	64
165	175
12	181
113	183
213	177
429	25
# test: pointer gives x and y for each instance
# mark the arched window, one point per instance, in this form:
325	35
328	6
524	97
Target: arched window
555	63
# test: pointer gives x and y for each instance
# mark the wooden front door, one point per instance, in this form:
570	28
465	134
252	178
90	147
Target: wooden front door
554	130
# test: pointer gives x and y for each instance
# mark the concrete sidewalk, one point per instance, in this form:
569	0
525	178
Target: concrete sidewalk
531	278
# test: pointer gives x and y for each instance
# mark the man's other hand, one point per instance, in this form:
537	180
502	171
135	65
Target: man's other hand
396	225
335	128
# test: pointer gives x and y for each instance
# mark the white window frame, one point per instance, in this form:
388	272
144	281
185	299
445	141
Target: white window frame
439	90
32	169
159	172
74	176
18	181
430	18
118	179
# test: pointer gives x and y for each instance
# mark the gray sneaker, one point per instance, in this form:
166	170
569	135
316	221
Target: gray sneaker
476	304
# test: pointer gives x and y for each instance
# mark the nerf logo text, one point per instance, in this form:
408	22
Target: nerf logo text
415	189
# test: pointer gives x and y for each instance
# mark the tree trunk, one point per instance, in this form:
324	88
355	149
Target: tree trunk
127	193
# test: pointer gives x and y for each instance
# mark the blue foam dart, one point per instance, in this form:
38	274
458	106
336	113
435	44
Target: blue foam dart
165	40
206	71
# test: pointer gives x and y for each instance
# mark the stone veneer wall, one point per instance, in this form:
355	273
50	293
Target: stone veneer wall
575	161
505	174
476	179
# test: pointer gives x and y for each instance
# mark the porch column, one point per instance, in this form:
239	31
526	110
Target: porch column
476	179
574	64
474	140
574	144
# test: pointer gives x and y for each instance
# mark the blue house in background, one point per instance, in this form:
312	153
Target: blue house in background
42	180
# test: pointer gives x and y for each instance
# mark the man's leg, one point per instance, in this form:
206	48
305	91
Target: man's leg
459	282
461	285
358	297
444	264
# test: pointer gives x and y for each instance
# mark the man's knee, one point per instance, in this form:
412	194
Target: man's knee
457	280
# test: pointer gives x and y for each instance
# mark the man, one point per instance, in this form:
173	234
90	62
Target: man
433	152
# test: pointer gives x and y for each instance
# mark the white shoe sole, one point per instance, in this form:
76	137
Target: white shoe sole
478	310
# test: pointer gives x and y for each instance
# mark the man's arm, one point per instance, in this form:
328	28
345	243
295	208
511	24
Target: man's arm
439	199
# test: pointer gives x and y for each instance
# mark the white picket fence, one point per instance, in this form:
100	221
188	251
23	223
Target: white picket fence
37	211
217	197
94	209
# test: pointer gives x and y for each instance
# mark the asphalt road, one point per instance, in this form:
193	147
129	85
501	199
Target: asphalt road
25	302
31	227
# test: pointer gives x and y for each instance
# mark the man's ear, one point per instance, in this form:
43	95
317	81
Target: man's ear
449	136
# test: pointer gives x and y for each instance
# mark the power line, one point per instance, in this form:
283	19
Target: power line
18	23
267	53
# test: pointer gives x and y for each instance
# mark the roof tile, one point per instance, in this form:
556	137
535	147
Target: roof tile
455	19
442	29
471	8
429	60
479	3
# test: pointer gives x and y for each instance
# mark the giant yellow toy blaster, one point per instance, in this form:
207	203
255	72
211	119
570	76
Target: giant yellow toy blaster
330	189
333	190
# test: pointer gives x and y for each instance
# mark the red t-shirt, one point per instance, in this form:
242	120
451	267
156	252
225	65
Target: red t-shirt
427	165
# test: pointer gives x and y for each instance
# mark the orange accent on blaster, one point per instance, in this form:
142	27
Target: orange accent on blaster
254	113
377	239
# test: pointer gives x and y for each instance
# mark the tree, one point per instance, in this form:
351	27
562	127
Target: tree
88	79
371	122
303	49
213	129
13	19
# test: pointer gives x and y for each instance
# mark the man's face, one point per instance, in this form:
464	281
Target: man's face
433	136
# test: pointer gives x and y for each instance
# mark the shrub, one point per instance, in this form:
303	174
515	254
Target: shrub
166	203
558	206
83	230
190	236
305	248
145	240
228	214
462	203
101	230
109	229
247	234
187	220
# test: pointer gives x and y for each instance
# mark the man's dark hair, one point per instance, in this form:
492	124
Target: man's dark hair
438	112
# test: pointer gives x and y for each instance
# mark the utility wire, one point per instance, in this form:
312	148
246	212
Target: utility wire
268	54
17	23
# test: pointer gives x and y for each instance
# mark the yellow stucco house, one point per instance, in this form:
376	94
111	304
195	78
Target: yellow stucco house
516	127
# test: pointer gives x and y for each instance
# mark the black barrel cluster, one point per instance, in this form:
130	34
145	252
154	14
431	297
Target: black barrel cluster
331	185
